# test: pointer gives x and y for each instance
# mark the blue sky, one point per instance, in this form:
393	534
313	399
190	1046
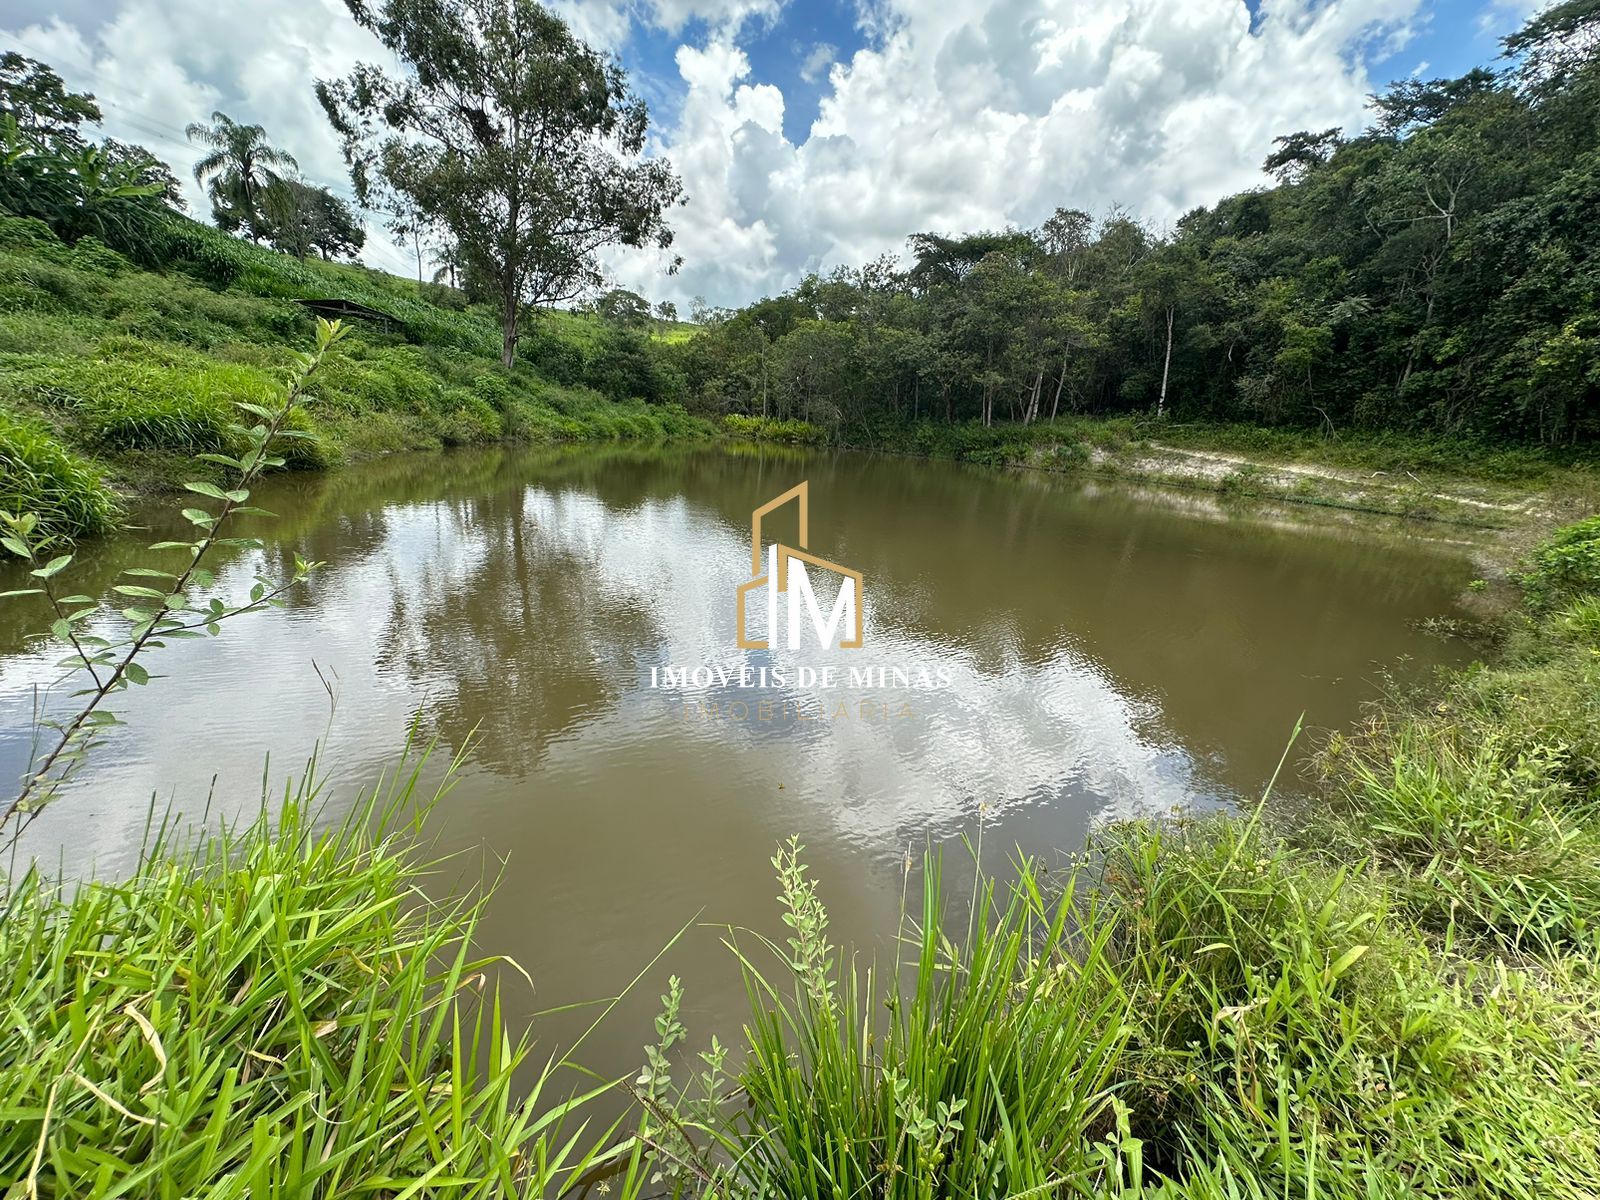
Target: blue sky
813	135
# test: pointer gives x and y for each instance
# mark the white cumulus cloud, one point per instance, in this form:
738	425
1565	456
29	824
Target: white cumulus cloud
962	116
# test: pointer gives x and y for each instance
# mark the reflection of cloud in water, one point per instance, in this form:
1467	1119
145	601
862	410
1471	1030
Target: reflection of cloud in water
1011	734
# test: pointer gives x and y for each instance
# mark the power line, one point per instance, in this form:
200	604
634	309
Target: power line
94	74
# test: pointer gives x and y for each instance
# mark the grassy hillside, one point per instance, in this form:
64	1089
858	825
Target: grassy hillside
113	376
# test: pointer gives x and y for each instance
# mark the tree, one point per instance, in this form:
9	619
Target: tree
79	192
522	141
242	164
36	98
301	219
1556	46
1298	154
622	307
148	170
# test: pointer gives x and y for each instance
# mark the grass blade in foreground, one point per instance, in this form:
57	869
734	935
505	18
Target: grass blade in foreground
278	1012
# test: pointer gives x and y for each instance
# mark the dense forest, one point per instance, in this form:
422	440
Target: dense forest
1436	273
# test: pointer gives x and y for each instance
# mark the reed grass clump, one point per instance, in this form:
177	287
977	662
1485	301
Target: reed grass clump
277	1010
1196	1010
40	475
979	1063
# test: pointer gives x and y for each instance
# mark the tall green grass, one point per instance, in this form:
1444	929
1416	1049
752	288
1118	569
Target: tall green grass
138	365
979	1065
276	1010
40	475
1197	1009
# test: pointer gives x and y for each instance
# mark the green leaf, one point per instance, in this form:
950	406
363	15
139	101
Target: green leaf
130	589
177	545
136	673
1346	961
23	592
16	547
207	489
221	460
54	567
199	516
149	573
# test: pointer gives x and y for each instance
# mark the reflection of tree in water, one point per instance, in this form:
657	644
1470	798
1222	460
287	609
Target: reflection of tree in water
512	638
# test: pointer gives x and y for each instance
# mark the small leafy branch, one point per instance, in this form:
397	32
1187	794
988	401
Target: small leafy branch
160	608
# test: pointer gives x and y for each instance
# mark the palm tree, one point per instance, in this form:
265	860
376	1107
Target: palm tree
240	168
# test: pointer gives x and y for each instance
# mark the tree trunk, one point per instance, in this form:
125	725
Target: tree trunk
1055	405
508	329
1166	366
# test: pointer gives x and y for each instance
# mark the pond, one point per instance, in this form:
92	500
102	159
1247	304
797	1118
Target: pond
1039	653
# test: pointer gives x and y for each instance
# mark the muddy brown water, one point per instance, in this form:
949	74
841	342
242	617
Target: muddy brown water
1109	651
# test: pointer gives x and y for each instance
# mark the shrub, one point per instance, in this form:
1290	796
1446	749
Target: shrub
769	429
493	389
467	419
32	236
1064	456
1565	566
91	254
208	254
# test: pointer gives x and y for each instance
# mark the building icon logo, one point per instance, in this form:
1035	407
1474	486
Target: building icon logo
785	574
